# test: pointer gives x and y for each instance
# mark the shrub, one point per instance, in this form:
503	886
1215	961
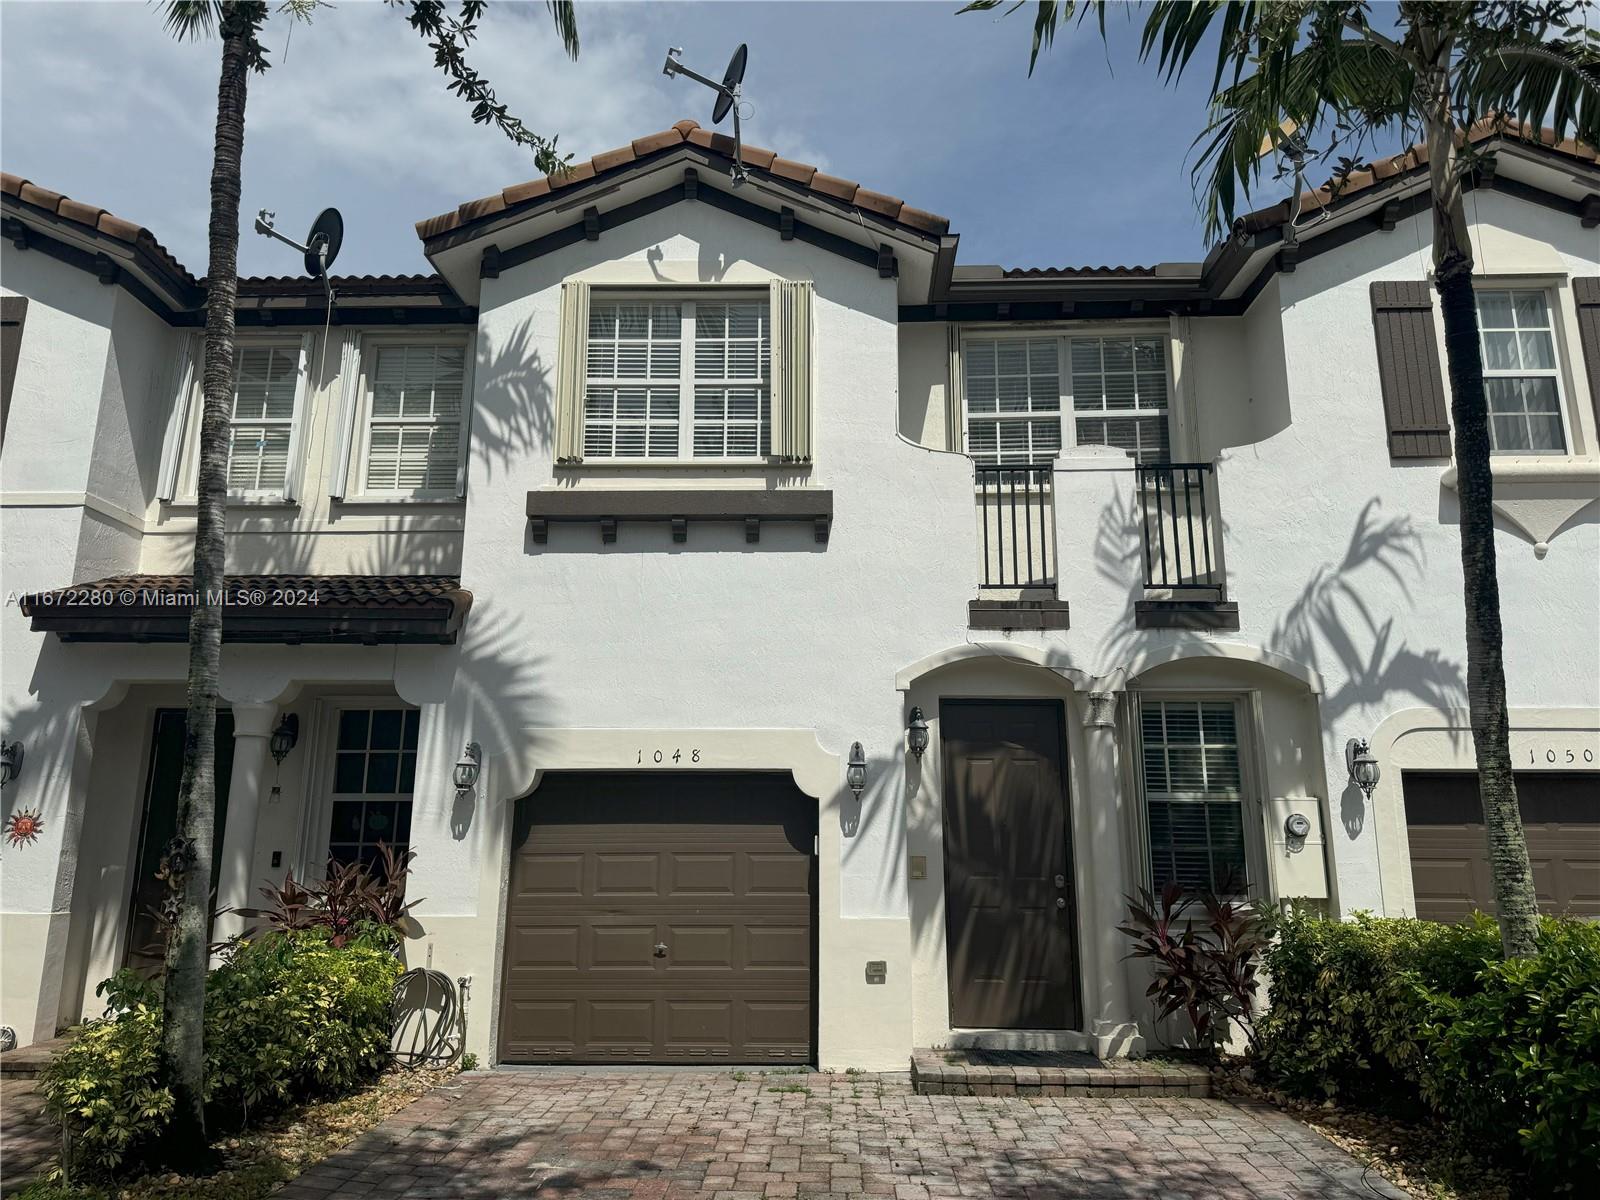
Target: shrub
351	900
1405	1014
288	1016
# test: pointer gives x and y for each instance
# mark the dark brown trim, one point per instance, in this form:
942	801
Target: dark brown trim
1017	614
1414	404
1586	296
1185	614
369	627
13	315
679	507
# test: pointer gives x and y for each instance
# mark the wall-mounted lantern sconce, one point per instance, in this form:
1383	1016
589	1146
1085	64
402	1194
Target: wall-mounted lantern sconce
855	771
466	771
10	762
1362	764
284	737
917	732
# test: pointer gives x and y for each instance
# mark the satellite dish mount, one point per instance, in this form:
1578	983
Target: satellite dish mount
321	245
728	98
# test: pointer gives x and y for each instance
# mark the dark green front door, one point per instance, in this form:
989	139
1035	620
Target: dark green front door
160	823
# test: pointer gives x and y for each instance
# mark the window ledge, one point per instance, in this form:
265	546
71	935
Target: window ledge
391	501
1539	494
682	464
1186	614
190	504
678	506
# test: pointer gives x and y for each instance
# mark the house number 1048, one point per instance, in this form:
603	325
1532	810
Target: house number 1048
661	756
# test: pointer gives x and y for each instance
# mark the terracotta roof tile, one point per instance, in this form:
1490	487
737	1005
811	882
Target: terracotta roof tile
83	214
9	183
1077	272
350	591
92	217
756	158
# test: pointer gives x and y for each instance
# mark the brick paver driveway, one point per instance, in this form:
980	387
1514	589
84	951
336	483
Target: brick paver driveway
658	1136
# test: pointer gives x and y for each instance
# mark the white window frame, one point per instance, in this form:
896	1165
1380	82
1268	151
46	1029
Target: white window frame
362	421
302	345
1067	414
685	381
1251	799
1556	372
316	829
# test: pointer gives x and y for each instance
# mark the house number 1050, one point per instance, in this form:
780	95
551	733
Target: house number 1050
1553	756
660	756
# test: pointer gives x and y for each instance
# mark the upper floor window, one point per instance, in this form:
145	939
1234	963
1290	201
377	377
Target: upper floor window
1521	378
1018	390
678	379
413	439
1193	793
266	381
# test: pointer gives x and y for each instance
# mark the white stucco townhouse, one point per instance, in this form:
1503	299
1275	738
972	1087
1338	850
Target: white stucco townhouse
672	497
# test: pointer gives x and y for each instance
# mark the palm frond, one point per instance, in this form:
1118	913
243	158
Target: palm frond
191	20
564	14
1517	73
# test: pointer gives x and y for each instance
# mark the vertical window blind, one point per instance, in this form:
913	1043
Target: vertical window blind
1193	793
1520	372
414	418
1016	393
266	379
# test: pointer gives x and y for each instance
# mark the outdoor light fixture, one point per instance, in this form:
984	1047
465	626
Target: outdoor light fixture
284	737
1362	764
10	761
855	772
917	732
466	772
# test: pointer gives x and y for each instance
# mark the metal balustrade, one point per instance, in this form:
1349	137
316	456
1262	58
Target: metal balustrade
1016	517
1176	513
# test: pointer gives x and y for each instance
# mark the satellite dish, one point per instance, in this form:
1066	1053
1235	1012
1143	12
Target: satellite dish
323	242
731	79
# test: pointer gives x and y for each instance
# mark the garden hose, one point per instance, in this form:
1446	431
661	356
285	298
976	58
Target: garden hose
428	1020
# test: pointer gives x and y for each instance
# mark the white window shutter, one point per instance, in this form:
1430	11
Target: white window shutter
466	413
571	369
302	401
791	369
349	395
955	403
187	369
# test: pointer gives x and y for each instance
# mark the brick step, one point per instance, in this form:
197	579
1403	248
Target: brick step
1051	1073
26	1062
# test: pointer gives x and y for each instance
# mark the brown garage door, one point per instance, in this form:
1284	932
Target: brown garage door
1450	856
661	918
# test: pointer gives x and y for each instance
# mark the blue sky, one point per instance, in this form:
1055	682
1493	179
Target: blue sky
1084	163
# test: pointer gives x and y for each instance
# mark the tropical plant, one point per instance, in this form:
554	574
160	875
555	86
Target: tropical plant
1323	72
1209	971
351	900
239	25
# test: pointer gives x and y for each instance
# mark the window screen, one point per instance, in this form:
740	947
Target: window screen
1193	794
265	379
374	772
1520	376
414	418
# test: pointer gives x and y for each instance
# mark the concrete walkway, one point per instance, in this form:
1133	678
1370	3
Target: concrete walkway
637	1135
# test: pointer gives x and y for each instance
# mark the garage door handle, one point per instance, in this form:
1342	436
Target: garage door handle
661	949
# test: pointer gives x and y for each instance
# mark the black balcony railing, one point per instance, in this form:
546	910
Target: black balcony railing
1180	551
1018	526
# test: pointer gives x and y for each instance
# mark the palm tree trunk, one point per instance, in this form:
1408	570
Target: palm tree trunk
183	1003
1509	868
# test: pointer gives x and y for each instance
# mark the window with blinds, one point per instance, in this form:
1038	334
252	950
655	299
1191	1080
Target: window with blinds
1119	394
1520	375
1019	388
1194	794
414	418
265	380
678	379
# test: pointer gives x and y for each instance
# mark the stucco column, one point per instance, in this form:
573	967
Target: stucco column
1110	1018
252	727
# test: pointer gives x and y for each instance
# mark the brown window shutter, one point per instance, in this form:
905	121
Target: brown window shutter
1586	294
13	311
1414	403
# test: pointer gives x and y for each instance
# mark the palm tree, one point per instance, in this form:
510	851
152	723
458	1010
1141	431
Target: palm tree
239	24
1322	70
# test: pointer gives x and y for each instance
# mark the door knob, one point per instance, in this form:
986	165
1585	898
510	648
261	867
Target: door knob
1061	901
1061	881
661	949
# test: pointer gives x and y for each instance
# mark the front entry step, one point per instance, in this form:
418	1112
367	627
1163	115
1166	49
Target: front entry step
1050	1073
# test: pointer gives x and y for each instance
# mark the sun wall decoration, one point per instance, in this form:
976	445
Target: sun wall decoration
23	826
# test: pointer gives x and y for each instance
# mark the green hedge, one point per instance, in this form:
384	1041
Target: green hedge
288	1017
1398	1013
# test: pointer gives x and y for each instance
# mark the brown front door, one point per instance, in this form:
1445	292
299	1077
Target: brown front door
1009	911
661	918
1450	849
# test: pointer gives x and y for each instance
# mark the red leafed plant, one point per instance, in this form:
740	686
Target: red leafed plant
352	899
1208	967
